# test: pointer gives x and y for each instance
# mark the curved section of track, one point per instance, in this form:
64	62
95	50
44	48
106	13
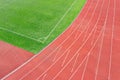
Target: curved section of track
87	50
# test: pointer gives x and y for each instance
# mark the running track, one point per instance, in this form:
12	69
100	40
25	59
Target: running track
88	50
11	57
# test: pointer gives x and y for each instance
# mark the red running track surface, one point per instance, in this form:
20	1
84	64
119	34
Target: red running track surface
88	50
11	57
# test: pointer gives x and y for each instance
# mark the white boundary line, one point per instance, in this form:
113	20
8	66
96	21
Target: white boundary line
75	62
111	51
65	58
18	34
40	51
101	46
84	70
46	37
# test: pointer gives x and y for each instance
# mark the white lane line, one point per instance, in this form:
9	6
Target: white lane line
45	38
93	36
46	47
76	59
101	45
99	56
86	63
85	34
56	54
65	58
43	78
111	50
77	33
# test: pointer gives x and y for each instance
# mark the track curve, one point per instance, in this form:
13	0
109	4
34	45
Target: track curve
87	50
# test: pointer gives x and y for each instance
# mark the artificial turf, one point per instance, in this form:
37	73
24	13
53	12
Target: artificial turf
29	23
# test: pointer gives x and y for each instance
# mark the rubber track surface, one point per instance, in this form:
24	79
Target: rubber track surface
11	57
88	50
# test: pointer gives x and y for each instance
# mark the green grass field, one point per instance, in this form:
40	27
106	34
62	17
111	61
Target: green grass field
33	24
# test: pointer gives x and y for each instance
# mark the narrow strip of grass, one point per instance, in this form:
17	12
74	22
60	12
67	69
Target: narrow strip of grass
34	46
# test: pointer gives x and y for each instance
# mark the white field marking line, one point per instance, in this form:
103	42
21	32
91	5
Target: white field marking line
75	63
78	49
99	55
18	34
37	40
56	54
63	53
86	63
45	47
111	51
65	58
61	19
